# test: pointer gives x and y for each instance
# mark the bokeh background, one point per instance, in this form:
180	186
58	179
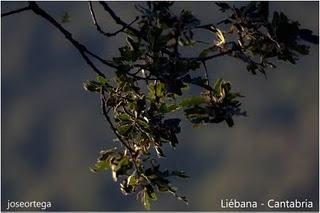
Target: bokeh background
52	130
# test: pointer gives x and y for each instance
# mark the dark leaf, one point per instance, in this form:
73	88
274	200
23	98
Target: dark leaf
307	35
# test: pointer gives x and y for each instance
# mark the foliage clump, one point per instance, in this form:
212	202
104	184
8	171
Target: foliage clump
152	78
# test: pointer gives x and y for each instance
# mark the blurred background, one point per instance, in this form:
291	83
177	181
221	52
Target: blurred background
52	130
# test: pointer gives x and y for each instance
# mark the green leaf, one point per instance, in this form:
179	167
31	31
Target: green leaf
159	152
173	190
92	86
124	129
123	163
132	180
161	88
157	90
205	52
223	6
180	174
193	101
166	108
174	86
123	117
150	192
143	123
126	189
162	186
121	167
199	81
101	80
122	69
65	18
217	86
106	155
100	166
146	202
194	65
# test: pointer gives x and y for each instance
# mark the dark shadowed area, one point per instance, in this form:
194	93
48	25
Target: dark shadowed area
52	130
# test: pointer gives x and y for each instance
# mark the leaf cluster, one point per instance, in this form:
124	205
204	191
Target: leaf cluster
261	37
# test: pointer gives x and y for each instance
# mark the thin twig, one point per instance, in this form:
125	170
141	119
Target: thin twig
15	11
176	45
114	129
117	19
201	59
95	22
206	72
140	78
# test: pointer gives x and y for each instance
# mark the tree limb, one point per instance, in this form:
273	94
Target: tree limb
15	11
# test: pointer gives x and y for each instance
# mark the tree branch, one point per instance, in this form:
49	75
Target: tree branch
117	19
80	47
15	11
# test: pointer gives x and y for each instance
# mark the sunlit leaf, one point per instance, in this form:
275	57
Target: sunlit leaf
65	18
